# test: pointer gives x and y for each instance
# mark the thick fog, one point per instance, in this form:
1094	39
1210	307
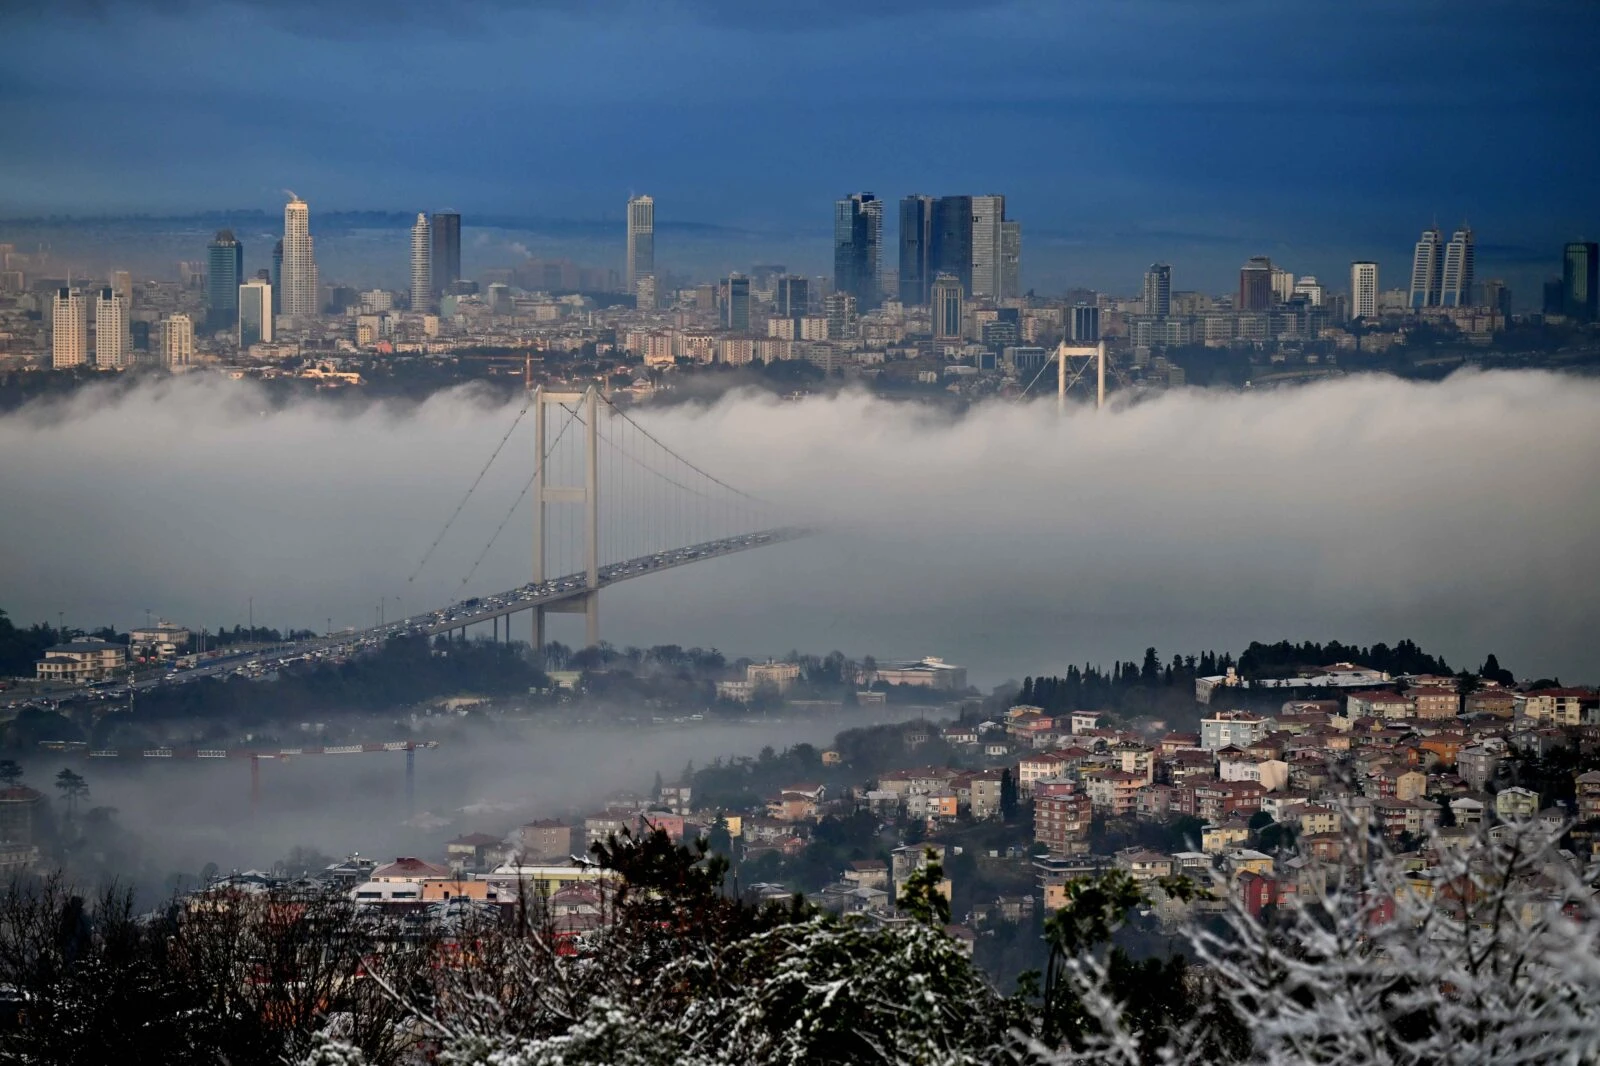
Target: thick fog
1461	514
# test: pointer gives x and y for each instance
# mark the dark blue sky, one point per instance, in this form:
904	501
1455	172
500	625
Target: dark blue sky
1309	130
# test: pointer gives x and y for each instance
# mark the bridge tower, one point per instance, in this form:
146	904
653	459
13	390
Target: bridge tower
588	494
1065	351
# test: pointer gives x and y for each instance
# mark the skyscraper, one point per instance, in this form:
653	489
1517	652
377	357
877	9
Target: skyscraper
1363	289
444	229
1255	284
177	341
277	276
1086	324
736	302
950	239
1580	281
988	213
1158	290
224	272
947	308
641	239
857	235
916	215
1427	267
255	312
299	298
840	308
111	340
1455	284
421	264
69	329
792	298
1010	259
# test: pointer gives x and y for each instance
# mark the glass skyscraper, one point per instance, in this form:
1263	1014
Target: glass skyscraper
224	273
1580	281
916	216
445	231
857	234
950	239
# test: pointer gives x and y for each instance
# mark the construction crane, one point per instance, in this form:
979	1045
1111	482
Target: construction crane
257	755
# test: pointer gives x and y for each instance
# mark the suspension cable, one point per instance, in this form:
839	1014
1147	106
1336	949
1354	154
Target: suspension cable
475	483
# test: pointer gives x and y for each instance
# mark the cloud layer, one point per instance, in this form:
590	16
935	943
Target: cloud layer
1461	514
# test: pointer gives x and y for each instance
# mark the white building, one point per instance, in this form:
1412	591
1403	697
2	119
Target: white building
988	215
112	344
1426	264
641	239
1455	285
1311	289
177	341
1282	285
69	329
299	276
255	312
1364	289
421	264
1239	728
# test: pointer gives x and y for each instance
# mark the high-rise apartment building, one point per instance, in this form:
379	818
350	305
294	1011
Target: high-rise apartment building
1364	289
641	238
857	236
792	297
988	215
950	239
1455	280
1158	290
444	229
1580	281
916	216
1282	285
177	341
1086	324
948	309
841	311
421	264
255	312
1010	259
112	344
122	283
69	329
1255	284
299	299
736	302
224	272
1427	269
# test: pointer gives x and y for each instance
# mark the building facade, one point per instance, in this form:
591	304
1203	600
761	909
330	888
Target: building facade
1255	285
224	274
421	264
641	239
69	329
112	343
444	229
177	341
255	312
1427	269
950	239
948	308
1363	289
1455	277
857	238
1010	259
1580	281
988	217
299	297
915	278
1158	290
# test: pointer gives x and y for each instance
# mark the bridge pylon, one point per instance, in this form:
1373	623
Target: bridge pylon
545	493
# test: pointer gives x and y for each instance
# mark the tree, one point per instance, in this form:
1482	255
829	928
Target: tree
921	897
10	772
1008	796
73	789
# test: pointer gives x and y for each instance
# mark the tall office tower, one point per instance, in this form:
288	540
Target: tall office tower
1427	266
950	239
421	264
224	272
177	341
1086	324
641	238
1455	281
255	312
111	341
69	329
947	308
840	308
1010	259
916	215
1497	296
736	302
857	233
276	277
444	229
1580	280
1158	290
988	212
299	298
1255	284
1364	289
792	298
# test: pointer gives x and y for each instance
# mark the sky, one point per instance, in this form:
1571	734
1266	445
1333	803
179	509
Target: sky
1463	514
1197	133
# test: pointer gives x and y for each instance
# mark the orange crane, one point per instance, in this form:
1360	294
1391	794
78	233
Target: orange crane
256	755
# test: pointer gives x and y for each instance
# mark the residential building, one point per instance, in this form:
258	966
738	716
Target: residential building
85	659
421	264
931	672
1158	290
224	275
1516	802
1378	705
1363	289
299	296
177	341
1238	728
1113	792
915	278
1558	706
1427	269
1061	823
1255	285
1455	278
857	244
256	324
1587	788
112	344
988	217
641	239
444	233
548	840
1477	765
69	329
1435	701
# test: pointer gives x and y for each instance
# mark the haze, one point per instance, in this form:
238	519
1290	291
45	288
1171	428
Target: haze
1460	514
